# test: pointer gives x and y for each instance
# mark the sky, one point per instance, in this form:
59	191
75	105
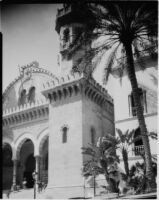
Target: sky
29	35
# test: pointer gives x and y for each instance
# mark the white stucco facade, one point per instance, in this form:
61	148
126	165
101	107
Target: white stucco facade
124	119
48	119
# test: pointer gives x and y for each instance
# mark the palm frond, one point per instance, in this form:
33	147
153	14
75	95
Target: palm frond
139	55
109	64
121	135
130	137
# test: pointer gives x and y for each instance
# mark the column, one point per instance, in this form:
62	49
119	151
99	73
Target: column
37	158
14	174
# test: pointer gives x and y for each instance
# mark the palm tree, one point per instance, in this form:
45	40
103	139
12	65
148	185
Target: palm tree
122	142
128	29
100	160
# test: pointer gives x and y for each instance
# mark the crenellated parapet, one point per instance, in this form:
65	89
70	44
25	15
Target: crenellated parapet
78	84
26	112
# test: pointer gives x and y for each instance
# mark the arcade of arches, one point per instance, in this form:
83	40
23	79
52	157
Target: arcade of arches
16	171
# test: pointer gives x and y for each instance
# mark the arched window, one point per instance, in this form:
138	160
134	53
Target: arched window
138	144
66	35
93	135
22	99
31	95
64	134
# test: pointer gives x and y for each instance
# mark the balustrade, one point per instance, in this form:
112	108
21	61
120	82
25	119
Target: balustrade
138	150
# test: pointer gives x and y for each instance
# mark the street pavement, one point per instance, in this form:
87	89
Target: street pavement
23	194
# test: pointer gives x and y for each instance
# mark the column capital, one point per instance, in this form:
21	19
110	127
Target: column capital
15	159
37	156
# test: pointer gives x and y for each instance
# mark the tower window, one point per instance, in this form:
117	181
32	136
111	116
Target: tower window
22	99
66	35
132	107
31	95
93	135
64	134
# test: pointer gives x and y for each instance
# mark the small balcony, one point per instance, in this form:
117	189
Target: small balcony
138	150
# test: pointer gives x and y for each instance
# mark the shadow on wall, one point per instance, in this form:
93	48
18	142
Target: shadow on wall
7	167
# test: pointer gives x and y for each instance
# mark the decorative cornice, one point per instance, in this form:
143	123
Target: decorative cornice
135	118
26	113
74	84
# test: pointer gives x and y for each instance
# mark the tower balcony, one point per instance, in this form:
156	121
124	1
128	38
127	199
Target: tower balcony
72	13
138	150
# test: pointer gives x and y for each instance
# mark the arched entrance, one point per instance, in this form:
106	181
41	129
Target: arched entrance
7	167
29	169
27	163
138	143
44	162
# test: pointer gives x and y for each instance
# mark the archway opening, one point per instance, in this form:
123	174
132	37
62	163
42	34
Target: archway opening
7	167
31	95
44	162
27	163
29	169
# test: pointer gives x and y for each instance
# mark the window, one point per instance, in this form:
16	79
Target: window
22	99
66	35
31	95
132	108
93	135
64	134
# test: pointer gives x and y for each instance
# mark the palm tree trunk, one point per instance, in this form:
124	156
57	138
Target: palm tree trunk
140	115
112	186
125	159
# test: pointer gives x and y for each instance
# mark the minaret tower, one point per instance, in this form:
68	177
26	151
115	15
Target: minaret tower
80	111
71	22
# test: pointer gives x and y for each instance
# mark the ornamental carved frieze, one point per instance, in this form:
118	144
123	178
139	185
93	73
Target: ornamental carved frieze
78	84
